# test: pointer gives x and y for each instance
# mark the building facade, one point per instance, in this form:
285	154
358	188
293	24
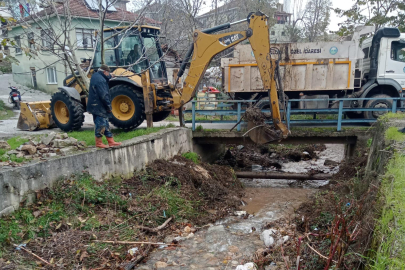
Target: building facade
40	63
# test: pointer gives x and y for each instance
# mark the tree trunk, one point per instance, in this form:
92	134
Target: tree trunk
280	175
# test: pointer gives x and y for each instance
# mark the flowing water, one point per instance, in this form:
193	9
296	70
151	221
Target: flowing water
233	240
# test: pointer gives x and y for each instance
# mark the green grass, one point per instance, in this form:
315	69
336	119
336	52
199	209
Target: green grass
390	227
390	115
392	134
119	135
5	113
200	117
176	206
16	142
192	156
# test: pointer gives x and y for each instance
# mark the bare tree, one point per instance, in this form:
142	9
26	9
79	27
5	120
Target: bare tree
316	18
54	26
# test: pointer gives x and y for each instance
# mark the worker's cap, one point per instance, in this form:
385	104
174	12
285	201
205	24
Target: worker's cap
105	68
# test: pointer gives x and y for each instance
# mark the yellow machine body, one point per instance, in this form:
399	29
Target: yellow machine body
35	115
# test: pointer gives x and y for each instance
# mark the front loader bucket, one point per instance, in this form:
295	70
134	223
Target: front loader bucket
35	115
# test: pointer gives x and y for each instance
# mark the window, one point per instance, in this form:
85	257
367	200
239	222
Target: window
272	33
47	39
17	41
398	51
84	38
283	33
51	75
31	43
366	51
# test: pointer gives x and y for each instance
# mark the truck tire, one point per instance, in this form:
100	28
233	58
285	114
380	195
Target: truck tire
160	116
128	110
67	113
264	104
355	115
383	101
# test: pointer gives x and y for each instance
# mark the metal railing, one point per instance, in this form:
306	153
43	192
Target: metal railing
340	111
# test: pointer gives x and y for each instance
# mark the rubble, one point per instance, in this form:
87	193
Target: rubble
46	146
4	145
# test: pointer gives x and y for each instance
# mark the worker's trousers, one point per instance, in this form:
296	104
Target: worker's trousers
102	127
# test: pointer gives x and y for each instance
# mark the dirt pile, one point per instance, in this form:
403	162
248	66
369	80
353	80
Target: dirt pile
75	224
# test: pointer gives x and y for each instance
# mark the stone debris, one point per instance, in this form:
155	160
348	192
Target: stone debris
29	148
47	146
4	145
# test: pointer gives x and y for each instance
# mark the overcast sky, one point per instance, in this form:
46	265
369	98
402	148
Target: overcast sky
343	4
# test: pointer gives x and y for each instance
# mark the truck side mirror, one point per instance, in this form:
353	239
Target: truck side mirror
402	41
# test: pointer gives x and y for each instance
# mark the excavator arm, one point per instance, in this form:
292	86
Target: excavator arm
206	46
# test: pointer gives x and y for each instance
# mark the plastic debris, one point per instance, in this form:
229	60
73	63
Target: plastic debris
240	213
20	246
247	266
133	251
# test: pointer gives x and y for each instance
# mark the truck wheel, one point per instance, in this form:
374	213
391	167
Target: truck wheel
160	116
354	115
127	107
264	104
67	113
383	101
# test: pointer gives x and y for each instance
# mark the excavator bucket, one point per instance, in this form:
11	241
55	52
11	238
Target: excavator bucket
35	115
259	131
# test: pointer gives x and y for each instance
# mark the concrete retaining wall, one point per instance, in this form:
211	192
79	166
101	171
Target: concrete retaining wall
17	184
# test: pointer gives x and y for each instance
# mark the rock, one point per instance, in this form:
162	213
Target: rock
4	145
13	152
29	148
49	155
187	229
41	146
46	139
160	265
31	142
82	143
59	143
28	157
64	136
67	150
20	155
329	162
267	237
273	155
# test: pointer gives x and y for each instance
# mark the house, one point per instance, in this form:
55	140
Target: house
235	10
39	66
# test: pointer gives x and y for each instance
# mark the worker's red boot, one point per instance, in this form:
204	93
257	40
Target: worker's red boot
111	142
100	144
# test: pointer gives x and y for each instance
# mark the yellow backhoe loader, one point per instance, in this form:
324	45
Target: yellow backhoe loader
135	95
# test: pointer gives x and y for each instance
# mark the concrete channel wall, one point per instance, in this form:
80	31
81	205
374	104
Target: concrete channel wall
20	183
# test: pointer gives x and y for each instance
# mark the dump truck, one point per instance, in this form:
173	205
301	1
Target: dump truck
323	70
140	88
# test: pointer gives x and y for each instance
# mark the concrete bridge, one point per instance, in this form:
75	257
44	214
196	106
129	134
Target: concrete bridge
210	143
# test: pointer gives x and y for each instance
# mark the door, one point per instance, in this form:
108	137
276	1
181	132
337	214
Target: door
395	61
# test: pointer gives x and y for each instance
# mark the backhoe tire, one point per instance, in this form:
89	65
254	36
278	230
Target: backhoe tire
67	113
383	101
160	116
128	110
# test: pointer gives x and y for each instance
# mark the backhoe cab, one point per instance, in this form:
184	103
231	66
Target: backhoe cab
141	89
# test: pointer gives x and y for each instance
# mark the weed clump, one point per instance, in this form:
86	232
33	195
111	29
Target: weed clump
192	156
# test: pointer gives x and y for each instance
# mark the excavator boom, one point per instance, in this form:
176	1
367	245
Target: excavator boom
206	46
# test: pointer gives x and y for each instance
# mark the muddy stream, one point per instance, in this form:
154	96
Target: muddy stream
233	241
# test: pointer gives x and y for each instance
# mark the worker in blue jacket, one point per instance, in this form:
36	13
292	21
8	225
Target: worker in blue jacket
99	105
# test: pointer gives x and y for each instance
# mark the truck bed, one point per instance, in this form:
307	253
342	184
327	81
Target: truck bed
304	67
